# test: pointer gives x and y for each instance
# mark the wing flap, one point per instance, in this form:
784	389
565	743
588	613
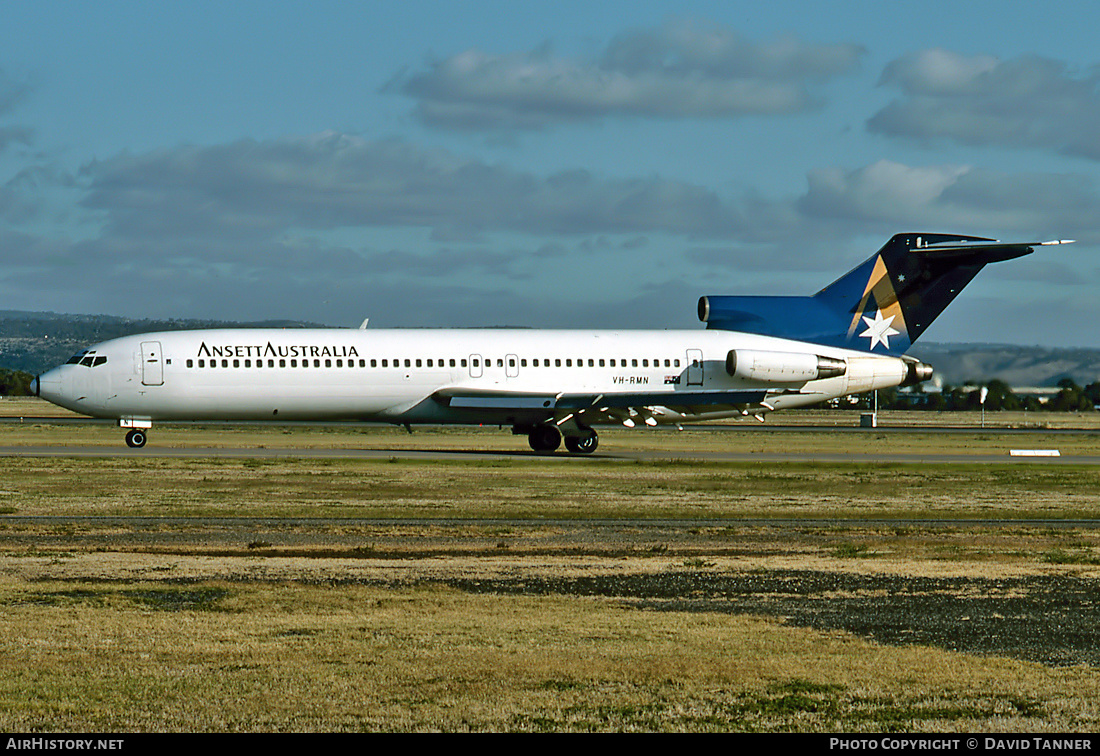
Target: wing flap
526	401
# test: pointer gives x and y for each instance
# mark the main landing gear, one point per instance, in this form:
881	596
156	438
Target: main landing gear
135	439
547	438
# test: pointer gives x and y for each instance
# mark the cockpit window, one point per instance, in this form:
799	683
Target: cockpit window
87	359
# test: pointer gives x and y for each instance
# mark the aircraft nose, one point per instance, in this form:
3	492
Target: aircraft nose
47	385
34	386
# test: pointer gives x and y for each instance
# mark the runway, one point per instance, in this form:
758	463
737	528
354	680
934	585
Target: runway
654	455
839	443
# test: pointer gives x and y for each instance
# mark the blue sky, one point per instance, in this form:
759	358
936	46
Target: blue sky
568	164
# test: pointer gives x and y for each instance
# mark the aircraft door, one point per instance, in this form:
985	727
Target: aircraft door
152	364
511	366
475	366
695	367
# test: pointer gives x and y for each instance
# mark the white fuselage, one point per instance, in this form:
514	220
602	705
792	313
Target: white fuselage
396	375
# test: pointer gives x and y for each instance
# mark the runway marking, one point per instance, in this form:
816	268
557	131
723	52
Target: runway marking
626	455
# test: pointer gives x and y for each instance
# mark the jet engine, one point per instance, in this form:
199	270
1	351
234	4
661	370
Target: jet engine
782	367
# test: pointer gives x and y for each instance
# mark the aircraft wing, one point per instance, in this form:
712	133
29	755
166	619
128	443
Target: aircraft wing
596	407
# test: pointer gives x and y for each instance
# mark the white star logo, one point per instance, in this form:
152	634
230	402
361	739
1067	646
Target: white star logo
879	330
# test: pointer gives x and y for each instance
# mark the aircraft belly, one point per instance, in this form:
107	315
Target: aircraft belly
220	402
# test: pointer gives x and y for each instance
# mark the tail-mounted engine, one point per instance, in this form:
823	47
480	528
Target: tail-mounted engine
782	367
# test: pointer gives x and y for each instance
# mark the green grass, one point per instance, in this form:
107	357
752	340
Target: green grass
528	488
109	626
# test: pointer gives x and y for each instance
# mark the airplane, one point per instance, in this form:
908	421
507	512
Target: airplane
757	354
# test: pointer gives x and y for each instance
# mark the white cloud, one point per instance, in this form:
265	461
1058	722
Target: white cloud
254	190
1026	102
955	198
680	70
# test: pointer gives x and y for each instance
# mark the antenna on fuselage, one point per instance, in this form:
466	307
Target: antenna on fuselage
363	325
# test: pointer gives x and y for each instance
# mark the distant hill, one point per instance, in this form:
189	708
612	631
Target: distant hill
36	341
957	364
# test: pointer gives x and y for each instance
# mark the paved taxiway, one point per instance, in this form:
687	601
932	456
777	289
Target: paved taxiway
194	452
606	452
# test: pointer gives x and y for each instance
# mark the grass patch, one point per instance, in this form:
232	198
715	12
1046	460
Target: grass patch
1061	556
853	551
134	658
535	488
155	598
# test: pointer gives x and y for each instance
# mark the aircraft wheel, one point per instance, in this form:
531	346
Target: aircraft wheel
135	439
544	438
582	444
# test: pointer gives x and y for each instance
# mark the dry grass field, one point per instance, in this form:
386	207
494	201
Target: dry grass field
527	593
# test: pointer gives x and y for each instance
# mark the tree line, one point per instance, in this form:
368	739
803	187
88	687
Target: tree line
15	382
999	396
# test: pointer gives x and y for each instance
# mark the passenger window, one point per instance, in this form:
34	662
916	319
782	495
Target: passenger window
282	363
418	363
190	364
633	363
569	363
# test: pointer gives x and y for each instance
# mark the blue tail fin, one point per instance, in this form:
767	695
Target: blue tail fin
883	305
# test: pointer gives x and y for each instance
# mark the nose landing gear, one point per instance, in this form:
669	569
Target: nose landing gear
135	439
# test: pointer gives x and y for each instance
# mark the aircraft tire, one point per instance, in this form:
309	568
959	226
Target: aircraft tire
582	444
135	439
544	438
